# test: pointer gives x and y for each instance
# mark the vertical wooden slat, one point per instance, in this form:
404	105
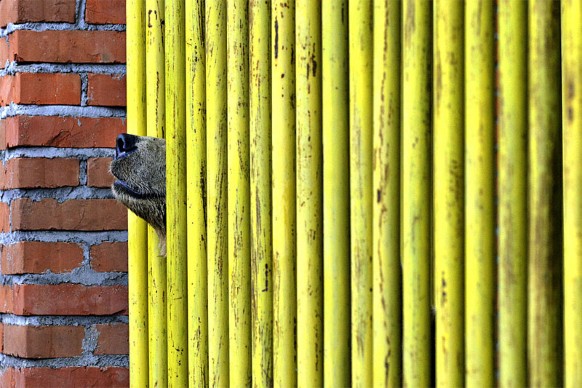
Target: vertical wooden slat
479	214
196	194
544	196
387	361
309	195
238	194
217	217
448	192
512	194
136	227
416	33
176	190
572	170
155	87
360	81
336	195
260	168
283	184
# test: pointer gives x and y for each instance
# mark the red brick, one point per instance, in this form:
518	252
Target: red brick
105	12
64	47
1	339
7	378
22	11
6	300
3	126
112	377
38	257
109	257
4	217
39	172
65	299
53	131
113	339
48	88
41	89
8	12
98	174
5	52
7	87
74	214
106	90
43	341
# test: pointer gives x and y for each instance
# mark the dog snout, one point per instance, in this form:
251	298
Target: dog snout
124	145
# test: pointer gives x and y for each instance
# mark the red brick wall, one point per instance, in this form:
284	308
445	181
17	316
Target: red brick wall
63	240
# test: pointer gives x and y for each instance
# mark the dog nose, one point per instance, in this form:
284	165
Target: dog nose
125	144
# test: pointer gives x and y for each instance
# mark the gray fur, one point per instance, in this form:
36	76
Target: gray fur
141	182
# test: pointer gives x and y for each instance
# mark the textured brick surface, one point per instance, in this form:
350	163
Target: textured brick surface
6	299
113	339
43	341
106	90
64	47
8	12
74	214
7	87
112	377
105	12
38	257
41	89
4	217
1	338
54	131
7	378
109	257
61	286
22	11
98	174
63	299
39	172
47	88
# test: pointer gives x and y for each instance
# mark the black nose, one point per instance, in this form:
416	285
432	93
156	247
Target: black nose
125	144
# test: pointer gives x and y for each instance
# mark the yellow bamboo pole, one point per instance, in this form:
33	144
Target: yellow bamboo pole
155	86
448	192
309	195
416	33
176	191
283	184
361	66
238	196
196	194
217	228
260	168
572	170
158	342
136	227
387	361
544	309
336	195
479	221
512	194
